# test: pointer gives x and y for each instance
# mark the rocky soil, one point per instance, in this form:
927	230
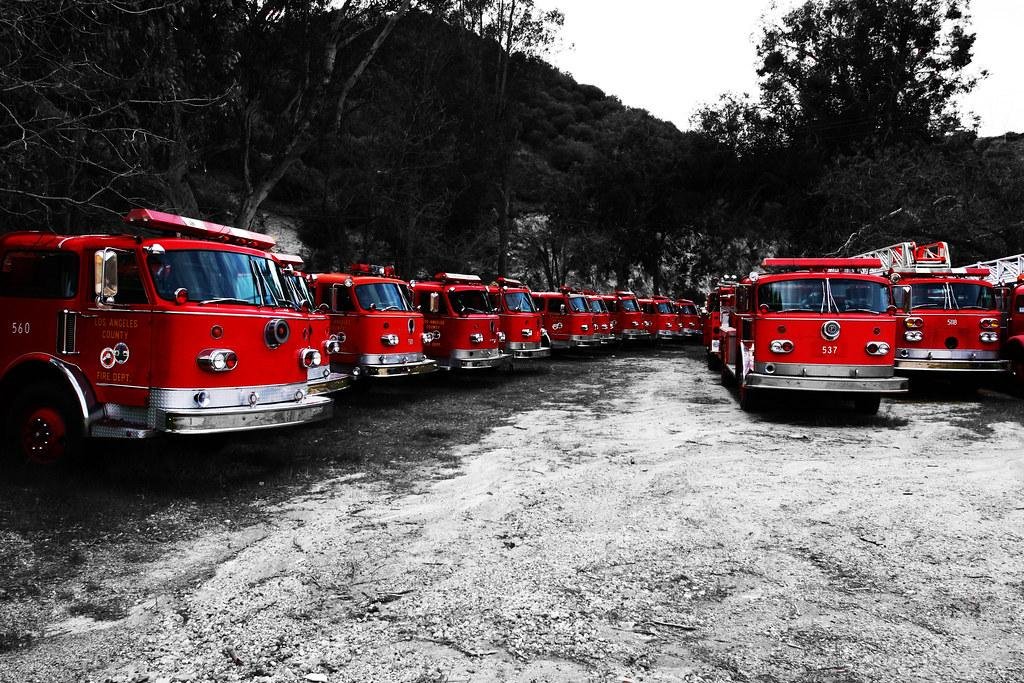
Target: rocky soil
622	520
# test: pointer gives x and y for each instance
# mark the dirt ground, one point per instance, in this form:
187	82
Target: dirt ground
613	518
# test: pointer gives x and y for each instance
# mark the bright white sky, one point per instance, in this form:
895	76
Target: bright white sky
671	56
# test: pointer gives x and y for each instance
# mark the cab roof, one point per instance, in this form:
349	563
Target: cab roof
79	243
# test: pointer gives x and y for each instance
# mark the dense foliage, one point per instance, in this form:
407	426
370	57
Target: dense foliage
431	134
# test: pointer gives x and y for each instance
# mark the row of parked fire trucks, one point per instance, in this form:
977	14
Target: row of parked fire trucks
183	326
863	326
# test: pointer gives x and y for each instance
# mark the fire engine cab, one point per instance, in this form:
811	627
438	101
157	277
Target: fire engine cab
567	318
949	321
321	379
720	306
372	318
186	330
1007	274
525	337
464	330
688	320
627	316
812	324
603	329
659	312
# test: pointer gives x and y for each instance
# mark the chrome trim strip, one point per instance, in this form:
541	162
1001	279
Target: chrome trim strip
391	358
531	354
421	368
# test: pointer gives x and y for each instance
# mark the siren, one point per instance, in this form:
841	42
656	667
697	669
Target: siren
193	227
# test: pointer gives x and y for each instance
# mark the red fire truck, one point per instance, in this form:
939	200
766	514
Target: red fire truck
688	321
720	306
627	317
464	330
525	337
1007	274
322	380
371	315
567	318
658	311
813	324
603	330
187	331
950	324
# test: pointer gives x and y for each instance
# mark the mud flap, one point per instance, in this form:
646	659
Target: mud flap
746	360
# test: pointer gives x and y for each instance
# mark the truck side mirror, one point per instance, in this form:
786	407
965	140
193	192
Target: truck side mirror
904	296
1003	296
561	309
435	302
105	274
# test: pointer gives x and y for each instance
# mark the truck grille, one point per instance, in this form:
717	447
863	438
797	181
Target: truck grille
66	328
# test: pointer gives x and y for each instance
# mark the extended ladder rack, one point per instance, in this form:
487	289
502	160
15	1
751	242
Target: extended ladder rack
1002	270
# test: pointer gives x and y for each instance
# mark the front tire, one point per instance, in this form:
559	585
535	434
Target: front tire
867	404
42	429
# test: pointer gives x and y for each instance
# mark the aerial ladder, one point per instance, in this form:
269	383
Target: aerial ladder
1002	271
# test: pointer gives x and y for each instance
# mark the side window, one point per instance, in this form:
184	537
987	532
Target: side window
344	299
39	274
129	281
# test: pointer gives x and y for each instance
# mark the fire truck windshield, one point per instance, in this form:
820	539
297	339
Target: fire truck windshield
578	303
382	296
664	307
211	276
298	290
824	295
629	305
951	296
519	302
469	301
597	306
688	309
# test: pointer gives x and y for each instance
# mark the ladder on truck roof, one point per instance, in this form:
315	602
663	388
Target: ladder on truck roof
909	257
1002	270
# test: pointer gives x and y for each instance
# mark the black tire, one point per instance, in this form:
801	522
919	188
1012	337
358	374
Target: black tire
714	362
749	398
43	428
867	404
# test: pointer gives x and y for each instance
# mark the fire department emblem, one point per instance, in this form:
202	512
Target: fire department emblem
121	353
107	359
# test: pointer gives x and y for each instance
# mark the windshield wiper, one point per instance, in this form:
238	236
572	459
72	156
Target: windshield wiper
795	310
860	310
226	300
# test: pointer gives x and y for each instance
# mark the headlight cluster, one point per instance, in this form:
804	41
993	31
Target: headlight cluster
877	348
476	338
389	339
527	333
913	335
781	346
501	336
989	324
333	344
310	358
913	323
218	360
584	327
989	337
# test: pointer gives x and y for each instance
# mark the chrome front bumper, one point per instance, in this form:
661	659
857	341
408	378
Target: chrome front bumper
528	352
575	342
915	365
395	369
245	418
474	359
852	385
331	384
635	335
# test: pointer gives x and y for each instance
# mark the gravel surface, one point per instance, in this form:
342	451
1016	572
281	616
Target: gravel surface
634	525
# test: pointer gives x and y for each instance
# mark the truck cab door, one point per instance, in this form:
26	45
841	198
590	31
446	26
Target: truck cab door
116	328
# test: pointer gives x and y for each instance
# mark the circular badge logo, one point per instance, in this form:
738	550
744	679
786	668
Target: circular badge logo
121	353
107	359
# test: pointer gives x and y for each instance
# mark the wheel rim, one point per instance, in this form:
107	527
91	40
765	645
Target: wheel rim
44	436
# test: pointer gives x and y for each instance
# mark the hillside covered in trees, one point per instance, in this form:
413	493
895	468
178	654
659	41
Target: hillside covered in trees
433	135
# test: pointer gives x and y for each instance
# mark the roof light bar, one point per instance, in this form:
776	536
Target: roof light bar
193	227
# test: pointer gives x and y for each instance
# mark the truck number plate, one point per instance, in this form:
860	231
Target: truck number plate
829	349
951	321
715	343
21	328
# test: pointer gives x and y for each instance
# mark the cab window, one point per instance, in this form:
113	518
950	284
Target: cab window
39	274
129	281
343	303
